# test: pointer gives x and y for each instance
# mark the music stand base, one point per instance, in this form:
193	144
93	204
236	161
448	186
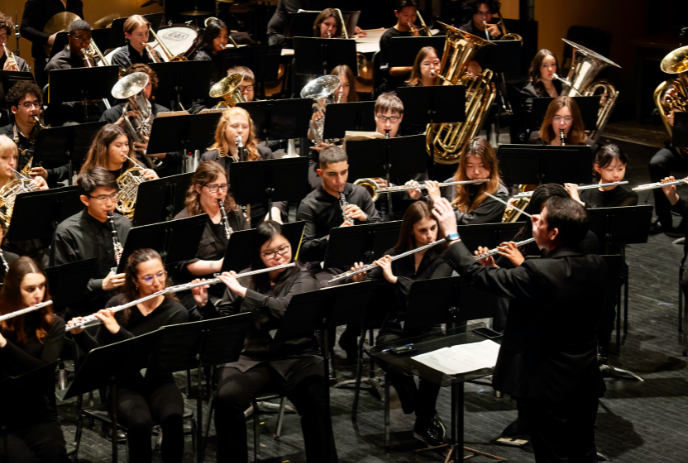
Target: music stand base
374	383
610	370
474	452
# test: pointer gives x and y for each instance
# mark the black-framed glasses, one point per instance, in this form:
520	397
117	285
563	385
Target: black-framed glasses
216	188
79	38
392	119
245	88
31	104
161	275
103	198
280	252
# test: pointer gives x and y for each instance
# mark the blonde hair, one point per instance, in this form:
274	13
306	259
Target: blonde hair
6	144
221	144
134	22
478	147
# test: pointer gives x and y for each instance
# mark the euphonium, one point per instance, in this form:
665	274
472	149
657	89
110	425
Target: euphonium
675	62
228	88
446	141
585	65
320	90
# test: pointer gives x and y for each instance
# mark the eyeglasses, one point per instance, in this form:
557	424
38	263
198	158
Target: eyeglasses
245	88
392	119
161	275
215	188
79	38
280	252
103	198
3	36
428	63
31	104
567	119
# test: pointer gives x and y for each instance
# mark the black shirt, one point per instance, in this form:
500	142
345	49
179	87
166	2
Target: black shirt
215	68
65	60
489	211
21	64
278	22
321	212
621	196
82	237
481	56
389	82
37	13
127	55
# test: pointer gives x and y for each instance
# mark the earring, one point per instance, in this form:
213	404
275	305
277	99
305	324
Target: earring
136	287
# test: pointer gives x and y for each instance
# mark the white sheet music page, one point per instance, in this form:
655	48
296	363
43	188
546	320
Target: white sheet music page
462	358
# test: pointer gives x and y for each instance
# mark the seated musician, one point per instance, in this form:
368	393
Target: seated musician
88	234
327	25
247	85
680	206
235	122
31	429
115	115
6	258
213	41
541	84
137	51
293	366
471	204
482	13
418	228
7	63
280	18
425	67
79	39
394	77
142	401
112	150
610	167
208	186
564	115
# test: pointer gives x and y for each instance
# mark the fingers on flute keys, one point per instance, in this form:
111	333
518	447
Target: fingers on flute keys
358	277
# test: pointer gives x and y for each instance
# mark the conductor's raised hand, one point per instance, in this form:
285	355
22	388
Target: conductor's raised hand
444	213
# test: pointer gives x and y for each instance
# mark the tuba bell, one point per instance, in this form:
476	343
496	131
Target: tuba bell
446	141
676	63
228	89
585	65
319	90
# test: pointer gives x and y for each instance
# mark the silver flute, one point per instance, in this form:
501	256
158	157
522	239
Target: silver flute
92	320
343	204
225	220
351	273
23	311
653	186
528	194
494	252
394	189
116	244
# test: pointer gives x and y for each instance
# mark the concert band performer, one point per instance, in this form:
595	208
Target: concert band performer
7	63
562	114
214	39
406	13
425	69
482	13
136	51
327	25
72	56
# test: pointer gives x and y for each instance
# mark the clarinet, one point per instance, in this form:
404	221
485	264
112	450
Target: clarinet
225	220
562	137
343	204
494	252
241	152
116	244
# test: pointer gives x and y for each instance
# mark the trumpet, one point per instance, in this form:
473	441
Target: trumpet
92	320
494	252
371	186
411	28
528	194
654	186
24	311
15	67
349	274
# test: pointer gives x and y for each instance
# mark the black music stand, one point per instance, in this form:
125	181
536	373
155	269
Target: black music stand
316	56
679	133
55	205
360	243
269	180
181	82
589	107
161	199
505	57
538	164
184	132
239	252
403	50
68	282
175	241
94	84
343	117
300	24
280	119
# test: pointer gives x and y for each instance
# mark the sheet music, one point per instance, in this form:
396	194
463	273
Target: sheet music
462	358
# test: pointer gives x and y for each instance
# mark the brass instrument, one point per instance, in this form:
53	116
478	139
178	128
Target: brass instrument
506	35
320	90
423	25
375	191
585	66
676	63
517	203
168	54
26	171
446	141
8	196
11	56
57	23
116	244
4	263
562	137
228	88
411	28
93	52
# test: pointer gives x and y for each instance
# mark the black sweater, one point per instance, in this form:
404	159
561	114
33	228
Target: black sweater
621	196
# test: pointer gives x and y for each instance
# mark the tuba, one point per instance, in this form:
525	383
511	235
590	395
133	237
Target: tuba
585	66
228	88
446	141
320	90
675	62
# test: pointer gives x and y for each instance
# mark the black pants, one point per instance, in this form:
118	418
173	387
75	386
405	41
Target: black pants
562	431
41	441
662	164
145	402
305	389
420	399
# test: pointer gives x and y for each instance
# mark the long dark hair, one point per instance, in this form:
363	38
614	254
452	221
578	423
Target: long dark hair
324	14
534	72
416	78
261	283
98	152
416	212
207	172
210	33
11	300
576	134
606	155
481	148
344	70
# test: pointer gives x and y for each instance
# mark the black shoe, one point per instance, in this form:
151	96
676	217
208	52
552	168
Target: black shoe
515	429
431	434
436	423
350	347
107	433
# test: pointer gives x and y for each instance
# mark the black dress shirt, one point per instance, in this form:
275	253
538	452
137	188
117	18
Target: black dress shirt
82	237
390	83
21	64
321	212
681	207
621	196
65	60
127	55
37	13
489	211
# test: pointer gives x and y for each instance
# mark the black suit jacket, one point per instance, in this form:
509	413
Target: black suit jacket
549	351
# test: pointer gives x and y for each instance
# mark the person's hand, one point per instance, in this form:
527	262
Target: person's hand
669	95
10	64
670	190
433	190
317	116
107	316
354	212
511	252
444	213
473	69
200	293
386	265
493	30
381	182
230	280
414	194
485	261
320	146
360	32
572	190
75	321
416	32
3	341
360	276
149	174
670	116
39	172
51	39
40	183
113	281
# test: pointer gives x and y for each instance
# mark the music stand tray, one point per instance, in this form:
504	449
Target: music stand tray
239	252
68	282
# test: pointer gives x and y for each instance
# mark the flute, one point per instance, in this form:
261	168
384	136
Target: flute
92	320
23	311
528	194
493	252
653	186
351	273
394	189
